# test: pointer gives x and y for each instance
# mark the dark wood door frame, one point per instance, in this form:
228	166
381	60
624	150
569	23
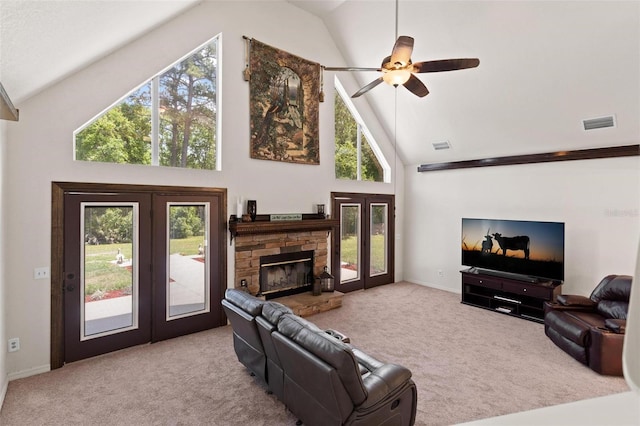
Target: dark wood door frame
366	199
58	189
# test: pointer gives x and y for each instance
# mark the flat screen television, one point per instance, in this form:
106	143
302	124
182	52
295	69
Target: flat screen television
528	250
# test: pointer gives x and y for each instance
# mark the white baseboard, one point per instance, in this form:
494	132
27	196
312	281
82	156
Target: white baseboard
439	287
30	372
3	391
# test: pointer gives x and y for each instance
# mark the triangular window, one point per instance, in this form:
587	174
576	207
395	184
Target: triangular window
170	120
357	154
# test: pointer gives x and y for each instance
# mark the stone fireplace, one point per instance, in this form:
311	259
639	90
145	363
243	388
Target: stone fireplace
255	240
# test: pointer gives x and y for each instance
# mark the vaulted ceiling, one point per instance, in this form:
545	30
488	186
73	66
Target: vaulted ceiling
42	42
544	65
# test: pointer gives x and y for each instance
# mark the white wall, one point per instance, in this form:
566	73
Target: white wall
597	199
40	147
4	381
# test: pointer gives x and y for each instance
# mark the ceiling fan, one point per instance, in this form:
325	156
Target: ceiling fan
398	69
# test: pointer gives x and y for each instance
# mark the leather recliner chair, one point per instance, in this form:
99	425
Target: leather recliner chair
591	329
320	378
328	382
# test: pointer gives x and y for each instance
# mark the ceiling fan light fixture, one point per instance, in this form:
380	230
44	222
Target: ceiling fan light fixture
396	77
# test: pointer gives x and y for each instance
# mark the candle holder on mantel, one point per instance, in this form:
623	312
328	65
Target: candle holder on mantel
252	209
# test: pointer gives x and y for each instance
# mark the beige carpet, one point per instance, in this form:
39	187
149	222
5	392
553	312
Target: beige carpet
468	363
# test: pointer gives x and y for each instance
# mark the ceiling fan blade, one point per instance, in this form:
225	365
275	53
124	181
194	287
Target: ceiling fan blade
368	87
351	69
416	86
401	54
446	65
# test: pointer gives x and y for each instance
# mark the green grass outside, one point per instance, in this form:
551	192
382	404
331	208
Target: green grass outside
102	273
186	246
100	270
349	253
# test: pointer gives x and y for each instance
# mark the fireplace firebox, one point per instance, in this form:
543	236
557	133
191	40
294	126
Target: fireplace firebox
286	273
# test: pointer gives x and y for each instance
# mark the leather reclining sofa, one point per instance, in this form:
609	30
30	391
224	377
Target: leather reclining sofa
321	379
591	329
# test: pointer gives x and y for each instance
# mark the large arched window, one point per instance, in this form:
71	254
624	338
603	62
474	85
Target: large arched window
170	120
357	154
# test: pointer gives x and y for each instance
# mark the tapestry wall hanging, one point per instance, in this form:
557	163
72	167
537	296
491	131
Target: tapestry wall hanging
284	103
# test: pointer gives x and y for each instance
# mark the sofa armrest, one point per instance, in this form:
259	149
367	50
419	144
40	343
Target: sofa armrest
616	325
605	352
574	300
366	361
384	381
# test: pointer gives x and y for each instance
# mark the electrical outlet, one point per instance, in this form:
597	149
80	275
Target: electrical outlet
41	273
440	273
14	344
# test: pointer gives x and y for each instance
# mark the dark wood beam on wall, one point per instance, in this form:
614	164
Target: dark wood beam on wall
581	154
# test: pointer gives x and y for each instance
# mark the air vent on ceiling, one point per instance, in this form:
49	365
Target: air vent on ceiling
441	145
599	123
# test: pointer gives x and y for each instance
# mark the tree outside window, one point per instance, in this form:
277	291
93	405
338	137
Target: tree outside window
355	158
180	132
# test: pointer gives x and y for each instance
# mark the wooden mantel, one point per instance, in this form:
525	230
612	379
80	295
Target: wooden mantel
262	226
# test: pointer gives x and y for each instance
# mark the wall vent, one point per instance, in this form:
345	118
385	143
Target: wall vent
599	123
441	145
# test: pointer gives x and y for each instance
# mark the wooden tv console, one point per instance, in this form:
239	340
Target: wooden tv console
508	295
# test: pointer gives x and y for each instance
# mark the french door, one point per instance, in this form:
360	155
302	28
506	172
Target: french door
138	266
96	321
182	296
363	255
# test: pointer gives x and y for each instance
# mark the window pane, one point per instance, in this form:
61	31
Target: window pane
109	263
349	242
187	284
355	154
188	111
378	238
170	121
346	137
371	167
120	135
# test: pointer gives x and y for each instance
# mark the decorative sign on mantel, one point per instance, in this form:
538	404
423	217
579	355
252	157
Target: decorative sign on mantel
285	217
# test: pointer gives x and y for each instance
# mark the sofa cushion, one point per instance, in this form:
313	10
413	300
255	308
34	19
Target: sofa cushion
613	309
329	349
272	311
244	301
613	287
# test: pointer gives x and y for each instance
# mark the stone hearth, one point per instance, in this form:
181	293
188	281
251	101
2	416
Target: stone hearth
306	304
